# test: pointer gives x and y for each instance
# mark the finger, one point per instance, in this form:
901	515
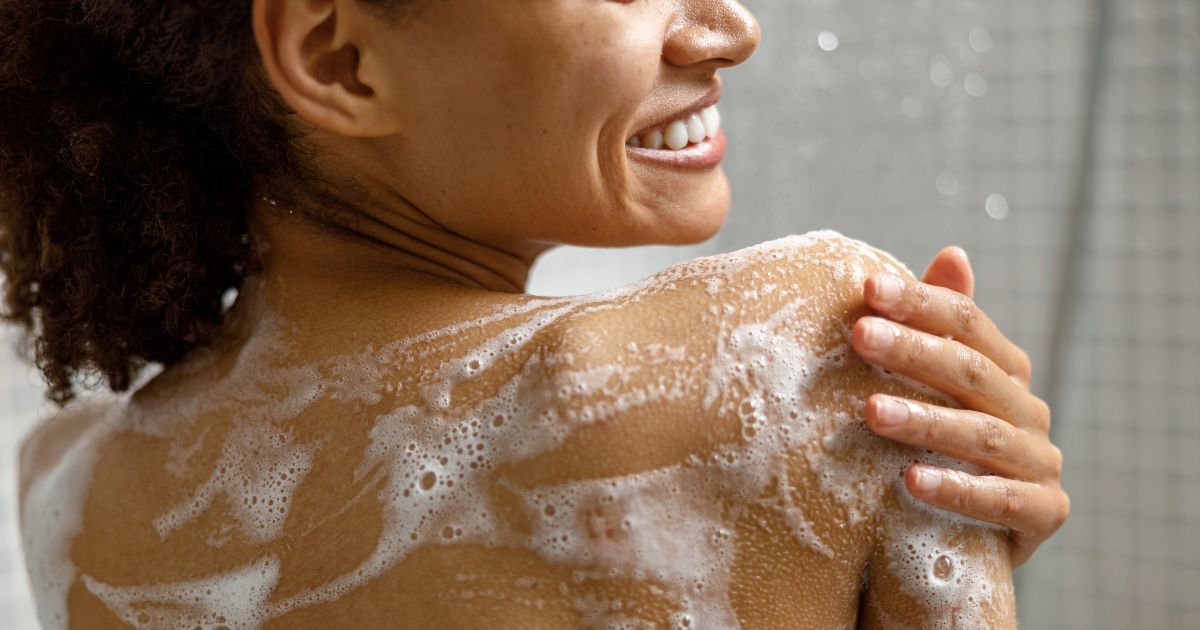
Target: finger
1021	545
951	269
945	313
965	435
1021	548
950	367
1029	509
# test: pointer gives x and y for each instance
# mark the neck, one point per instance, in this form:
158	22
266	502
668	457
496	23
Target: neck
398	245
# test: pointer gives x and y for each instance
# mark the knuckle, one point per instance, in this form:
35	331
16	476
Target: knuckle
906	305
1011	503
1041	415
1064	510
915	350
1056	461
973	368
1024	366
933	423
993	439
921	297
966	318
964	497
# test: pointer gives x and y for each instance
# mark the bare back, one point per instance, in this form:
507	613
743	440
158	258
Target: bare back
683	452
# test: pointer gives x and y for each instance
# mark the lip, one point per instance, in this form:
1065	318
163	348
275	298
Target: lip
710	98
704	155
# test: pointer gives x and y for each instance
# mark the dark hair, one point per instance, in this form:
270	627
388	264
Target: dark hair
132	136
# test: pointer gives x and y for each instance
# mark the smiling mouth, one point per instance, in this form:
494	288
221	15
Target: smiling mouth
693	128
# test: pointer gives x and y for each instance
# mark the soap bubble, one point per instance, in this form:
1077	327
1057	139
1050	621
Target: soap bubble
828	41
980	40
996	206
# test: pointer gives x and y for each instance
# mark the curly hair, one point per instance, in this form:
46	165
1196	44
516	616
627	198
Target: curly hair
133	135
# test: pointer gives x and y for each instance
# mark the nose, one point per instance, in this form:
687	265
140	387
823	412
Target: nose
718	32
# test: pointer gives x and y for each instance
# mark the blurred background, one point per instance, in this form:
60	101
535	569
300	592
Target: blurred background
1059	143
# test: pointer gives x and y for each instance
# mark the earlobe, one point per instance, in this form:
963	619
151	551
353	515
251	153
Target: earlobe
309	55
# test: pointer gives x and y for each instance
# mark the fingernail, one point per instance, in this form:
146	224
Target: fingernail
880	335
887	288
927	480
890	412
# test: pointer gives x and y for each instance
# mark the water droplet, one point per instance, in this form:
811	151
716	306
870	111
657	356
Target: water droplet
943	568
941	73
980	40
828	41
996	206
947	183
975	85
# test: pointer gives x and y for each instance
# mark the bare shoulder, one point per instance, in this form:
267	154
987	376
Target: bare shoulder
824	269
45	446
55	479
703	334
684	449
774	396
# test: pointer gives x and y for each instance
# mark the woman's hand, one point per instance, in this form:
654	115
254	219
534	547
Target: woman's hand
938	336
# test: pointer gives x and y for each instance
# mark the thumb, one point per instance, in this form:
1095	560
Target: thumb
951	269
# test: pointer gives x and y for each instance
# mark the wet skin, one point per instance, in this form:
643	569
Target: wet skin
451	207
778	578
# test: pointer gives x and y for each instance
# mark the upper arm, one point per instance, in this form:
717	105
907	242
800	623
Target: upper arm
925	568
935	570
774	392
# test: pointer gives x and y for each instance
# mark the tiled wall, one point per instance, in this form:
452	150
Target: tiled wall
1130	421
896	121
901	133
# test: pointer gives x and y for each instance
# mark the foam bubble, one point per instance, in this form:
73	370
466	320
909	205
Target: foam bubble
434	458
234	599
259	468
51	518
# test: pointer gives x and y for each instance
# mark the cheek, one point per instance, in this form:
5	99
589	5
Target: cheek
533	158
520	128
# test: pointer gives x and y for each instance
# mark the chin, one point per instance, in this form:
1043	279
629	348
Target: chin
699	232
686	222
702	222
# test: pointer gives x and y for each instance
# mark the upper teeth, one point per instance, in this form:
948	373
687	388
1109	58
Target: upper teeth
677	135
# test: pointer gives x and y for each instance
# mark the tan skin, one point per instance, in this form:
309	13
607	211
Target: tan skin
509	92
633	63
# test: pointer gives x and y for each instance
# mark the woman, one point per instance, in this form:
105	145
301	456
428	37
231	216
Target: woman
384	430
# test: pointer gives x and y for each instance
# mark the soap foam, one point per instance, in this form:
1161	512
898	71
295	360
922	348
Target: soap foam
434	458
51	518
260	467
235	599
935	571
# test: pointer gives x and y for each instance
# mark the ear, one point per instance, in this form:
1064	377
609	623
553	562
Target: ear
312	52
